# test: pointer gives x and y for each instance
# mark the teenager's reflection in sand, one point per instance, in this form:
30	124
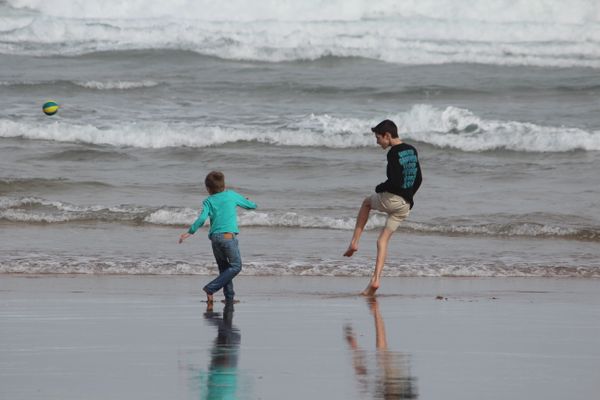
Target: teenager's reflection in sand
390	378
222	379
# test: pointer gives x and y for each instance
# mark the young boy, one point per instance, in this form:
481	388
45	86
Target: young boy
394	196
220	207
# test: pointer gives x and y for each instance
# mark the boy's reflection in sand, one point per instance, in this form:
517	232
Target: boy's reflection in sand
391	379
221	382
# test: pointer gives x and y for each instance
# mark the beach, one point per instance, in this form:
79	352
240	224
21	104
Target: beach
151	337
490	286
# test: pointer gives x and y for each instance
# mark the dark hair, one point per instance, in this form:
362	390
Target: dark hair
215	182
386	126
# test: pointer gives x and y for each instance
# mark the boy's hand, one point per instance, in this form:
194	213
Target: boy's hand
184	236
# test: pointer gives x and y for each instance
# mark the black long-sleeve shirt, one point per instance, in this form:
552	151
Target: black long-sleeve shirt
403	172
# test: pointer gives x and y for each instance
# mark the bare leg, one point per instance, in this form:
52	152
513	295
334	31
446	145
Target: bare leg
382	245
361	221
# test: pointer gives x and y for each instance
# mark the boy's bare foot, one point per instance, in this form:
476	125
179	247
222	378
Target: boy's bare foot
371	289
209	297
351	250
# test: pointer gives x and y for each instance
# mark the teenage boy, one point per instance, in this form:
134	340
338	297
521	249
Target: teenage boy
393	197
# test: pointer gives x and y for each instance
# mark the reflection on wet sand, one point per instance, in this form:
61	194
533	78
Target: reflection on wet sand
390	378
222	379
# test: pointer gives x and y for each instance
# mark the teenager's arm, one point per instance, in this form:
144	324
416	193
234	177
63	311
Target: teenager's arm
418	180
394	174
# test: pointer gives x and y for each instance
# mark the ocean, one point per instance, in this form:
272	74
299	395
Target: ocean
501	99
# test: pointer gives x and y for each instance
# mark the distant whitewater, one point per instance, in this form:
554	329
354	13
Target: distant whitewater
548	33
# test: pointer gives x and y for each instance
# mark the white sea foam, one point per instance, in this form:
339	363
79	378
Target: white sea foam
295	220
576	11
160	135
38	210
96	85
109	265
120	85
505	32
23	83
461	129
173	216
450	127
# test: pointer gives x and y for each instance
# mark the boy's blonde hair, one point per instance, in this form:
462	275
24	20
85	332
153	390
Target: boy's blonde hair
215	182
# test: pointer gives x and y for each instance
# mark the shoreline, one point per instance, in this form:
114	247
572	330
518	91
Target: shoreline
151	337
365	277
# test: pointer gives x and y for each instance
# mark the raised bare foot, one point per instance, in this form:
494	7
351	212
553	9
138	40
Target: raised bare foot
351	250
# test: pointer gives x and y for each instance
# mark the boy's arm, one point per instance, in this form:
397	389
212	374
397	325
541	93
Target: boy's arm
184	236
201	218
198	223
245	203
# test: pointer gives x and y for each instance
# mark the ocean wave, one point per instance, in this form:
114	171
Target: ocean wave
503	32
513	226
95	85
84	155
451	127
12	185
109	265
158	135
118	85
510	228
37	210
577	11
460	129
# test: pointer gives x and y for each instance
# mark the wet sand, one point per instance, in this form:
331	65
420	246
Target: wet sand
150	337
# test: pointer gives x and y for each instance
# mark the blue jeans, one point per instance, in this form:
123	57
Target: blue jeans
227	255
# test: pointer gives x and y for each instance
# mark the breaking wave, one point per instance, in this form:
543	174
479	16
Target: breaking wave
542	226
118	85
451	127
95	85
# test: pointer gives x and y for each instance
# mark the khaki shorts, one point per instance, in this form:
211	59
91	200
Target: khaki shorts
393	205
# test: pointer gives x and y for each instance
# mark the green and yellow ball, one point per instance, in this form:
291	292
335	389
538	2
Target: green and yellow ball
50	107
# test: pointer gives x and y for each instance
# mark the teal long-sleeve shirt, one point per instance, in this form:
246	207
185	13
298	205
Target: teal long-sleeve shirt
221	209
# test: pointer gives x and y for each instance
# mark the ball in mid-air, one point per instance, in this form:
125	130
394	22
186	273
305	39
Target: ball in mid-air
50	107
